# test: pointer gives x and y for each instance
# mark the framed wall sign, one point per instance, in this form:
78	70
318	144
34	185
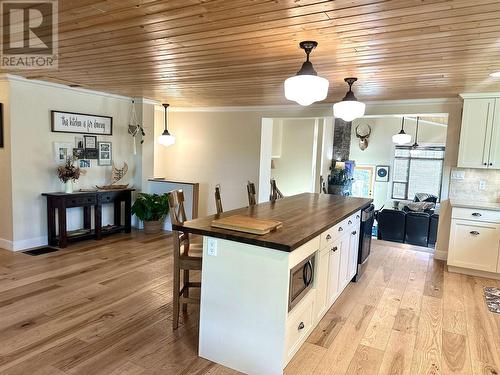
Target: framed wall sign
89	141
69	122
91	153
382	173
105	153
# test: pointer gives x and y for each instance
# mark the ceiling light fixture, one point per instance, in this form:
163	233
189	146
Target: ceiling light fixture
349	108
306	87
401	138
166	139
495	75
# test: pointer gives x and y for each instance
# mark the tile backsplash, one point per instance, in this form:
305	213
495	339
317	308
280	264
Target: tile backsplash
468	188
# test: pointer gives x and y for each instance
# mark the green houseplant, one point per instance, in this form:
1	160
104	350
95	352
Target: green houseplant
152	210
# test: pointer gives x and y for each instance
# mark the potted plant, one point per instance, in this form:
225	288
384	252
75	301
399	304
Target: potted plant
151	209
68	173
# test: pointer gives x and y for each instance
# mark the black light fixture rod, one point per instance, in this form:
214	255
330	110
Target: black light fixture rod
165	105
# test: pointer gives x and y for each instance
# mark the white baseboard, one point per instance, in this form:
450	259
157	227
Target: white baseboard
29	243
5	244
441	255
466	271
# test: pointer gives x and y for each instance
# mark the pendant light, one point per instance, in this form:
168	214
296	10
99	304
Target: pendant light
306	87
401	138
166	139
349	108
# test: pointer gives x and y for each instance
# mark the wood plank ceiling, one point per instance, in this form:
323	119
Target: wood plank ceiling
239	52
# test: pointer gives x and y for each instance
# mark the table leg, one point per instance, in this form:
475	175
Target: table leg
63	234
118	212
86	217
128	213
98	221
51	223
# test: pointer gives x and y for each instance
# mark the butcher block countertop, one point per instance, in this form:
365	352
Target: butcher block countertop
304	217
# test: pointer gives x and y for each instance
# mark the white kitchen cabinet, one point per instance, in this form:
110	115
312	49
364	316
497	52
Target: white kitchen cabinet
353	252
322	283
480	134
334	271
344	260
475	240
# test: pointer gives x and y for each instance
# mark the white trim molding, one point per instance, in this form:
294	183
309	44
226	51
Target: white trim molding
5	244
479	95
441	255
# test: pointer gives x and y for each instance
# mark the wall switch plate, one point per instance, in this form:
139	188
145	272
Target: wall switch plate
457	175
212	247
482	184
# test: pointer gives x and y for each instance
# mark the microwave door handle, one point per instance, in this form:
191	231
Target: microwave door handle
307	273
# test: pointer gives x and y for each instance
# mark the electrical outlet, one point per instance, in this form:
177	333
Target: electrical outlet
482	185
212	247
457	175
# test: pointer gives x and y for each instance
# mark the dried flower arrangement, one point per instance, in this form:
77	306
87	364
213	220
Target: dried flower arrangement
68	171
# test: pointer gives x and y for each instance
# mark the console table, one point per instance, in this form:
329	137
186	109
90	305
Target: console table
86	200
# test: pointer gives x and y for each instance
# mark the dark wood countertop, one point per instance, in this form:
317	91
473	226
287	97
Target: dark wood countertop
304	217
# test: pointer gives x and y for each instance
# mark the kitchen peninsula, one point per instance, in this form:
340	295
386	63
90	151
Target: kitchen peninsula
262	295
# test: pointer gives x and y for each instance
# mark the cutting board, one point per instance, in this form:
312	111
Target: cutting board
247	224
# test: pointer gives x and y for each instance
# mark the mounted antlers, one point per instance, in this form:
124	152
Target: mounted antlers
363	139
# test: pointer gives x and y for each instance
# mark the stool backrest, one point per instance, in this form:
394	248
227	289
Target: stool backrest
176	203
251	193
218	200
275	192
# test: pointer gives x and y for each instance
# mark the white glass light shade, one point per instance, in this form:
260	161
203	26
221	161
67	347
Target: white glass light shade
349	110
306	89
401	138
166	140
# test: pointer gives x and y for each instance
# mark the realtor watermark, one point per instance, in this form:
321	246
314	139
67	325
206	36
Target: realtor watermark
29	34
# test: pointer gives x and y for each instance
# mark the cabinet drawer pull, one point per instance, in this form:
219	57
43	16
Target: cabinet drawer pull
491	163
476	214
357	216
349	222
485	163
354	233
335	248
301	326
474	232
341	229
328	237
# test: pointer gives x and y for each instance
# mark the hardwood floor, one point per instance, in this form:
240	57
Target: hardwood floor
105	308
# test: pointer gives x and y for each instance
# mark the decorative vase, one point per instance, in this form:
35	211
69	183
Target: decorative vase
153	227
68	187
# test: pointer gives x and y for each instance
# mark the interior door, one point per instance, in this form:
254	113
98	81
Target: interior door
477	119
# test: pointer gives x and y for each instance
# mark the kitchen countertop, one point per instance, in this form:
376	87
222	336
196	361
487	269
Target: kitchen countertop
478	205
304	216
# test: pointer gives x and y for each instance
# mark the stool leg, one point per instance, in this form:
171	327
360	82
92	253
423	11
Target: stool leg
176	289
186	290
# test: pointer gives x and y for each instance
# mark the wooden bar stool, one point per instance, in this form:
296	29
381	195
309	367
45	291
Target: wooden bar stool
251	193
275	192
218	200
187	256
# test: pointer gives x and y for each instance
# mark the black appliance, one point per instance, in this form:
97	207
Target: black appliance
301	280
365	239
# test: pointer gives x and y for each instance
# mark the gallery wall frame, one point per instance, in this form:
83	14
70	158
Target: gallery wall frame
81	123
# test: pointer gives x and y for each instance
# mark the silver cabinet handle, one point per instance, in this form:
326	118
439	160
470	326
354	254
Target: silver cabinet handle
301	326
474	233
335	248
349	222
341	229
328	237
476	214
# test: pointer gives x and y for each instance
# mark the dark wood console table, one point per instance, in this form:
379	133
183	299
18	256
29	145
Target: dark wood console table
62	201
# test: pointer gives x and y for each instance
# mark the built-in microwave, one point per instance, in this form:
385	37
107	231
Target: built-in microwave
301	281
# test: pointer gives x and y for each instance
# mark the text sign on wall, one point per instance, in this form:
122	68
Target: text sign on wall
68	122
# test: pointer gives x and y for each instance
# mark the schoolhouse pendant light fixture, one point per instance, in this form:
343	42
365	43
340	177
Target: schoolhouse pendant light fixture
166	139
306	87
401	138
349	108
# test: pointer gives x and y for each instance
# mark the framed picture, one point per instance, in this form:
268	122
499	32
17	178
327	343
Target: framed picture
89	141
1	125
85	163
79	142
91	153
382	173
72	122
79	153
62	151
105	153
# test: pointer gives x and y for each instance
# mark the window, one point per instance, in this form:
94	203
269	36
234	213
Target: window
417	171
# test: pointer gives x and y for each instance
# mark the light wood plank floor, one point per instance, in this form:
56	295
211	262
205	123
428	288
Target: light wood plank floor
106	308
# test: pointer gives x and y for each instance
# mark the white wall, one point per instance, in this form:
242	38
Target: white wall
380	149
32	156
293	170
6	230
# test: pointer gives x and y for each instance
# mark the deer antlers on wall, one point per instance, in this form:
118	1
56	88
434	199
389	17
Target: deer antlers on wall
363	138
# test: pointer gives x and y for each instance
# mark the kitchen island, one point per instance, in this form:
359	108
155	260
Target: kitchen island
262	295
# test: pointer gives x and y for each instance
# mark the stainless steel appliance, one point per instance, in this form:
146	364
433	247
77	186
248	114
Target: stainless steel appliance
301	280
365	239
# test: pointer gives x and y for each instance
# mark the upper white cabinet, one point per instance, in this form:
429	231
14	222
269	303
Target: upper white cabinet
480	133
